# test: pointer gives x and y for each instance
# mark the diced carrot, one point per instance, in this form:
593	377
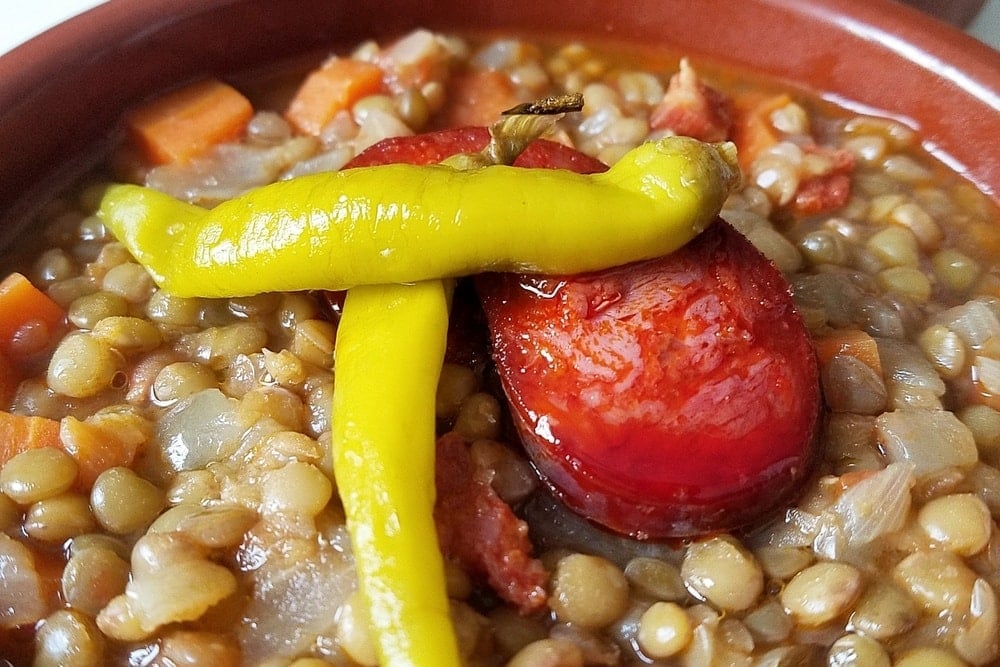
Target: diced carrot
334	87
752	130
19	433
852	342
29	319
188	121
477	97
97	448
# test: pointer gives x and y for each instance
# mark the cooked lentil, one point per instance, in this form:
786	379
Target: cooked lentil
821	592
92	577
37	474
68	638
723	573
59	518
853	650
223	543
589	591
123	502
664	630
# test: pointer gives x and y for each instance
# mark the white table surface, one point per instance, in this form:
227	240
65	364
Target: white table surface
21	20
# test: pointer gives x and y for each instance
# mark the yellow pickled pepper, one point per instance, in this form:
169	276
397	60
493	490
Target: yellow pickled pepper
389	351
400	223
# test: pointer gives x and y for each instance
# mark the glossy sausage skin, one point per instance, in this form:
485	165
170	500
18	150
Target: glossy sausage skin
666	398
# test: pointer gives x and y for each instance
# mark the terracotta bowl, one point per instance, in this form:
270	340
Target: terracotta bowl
61	93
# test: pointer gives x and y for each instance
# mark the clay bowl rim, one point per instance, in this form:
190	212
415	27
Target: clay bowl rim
840	39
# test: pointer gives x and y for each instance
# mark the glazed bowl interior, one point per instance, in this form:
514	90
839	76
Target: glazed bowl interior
62	93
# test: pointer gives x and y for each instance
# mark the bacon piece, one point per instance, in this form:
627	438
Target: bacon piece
413	61
480	531
693	109
827	191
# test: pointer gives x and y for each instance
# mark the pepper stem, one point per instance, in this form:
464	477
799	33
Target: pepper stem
516	128
522	124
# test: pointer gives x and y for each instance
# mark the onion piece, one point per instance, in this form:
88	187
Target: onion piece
975	322
904	365
298	587
986	374
202	428
797	530
20	585
871	508
932	440
229	170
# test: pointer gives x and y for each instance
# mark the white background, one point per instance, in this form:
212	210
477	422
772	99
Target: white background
22	19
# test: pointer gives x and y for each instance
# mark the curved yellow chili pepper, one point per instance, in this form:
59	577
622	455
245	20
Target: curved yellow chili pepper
404	223
383	447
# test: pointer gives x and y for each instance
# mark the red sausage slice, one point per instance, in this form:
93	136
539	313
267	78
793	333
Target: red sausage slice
667	398
434	147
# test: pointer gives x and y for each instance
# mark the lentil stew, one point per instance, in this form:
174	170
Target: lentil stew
175	501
